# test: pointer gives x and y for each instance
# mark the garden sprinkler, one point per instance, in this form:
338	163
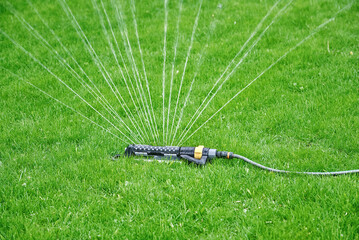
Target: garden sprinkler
198	155
201	155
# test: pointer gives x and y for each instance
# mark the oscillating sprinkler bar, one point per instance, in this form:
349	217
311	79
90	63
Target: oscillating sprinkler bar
201	155
198	155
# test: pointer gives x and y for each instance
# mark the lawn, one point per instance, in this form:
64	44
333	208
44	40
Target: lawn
57	179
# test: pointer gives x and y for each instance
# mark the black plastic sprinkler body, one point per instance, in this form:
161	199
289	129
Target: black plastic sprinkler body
198	155
201	155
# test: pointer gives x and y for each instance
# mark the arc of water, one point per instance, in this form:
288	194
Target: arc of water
63	62
198	65
164	70
185	65
185	103
231	63
67	106
152	116
316	30
115	55
61	81
135	71
201	109
173	68
140	110
96	59
101	97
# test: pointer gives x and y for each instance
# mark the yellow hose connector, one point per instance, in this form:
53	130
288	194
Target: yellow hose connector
198	152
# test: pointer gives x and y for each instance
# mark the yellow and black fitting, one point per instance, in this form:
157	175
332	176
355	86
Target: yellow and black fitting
198	152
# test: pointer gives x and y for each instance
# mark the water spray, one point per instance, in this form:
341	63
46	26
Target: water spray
201	156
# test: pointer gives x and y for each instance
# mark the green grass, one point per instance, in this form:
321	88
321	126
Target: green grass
56	176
